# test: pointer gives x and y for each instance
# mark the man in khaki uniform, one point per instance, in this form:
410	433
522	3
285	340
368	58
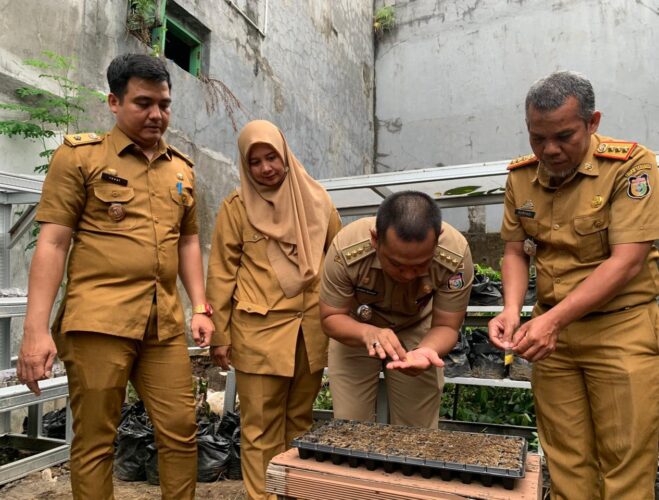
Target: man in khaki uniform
394	286
585	207
127	199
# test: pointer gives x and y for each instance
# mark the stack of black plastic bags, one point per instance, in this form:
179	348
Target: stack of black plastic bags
473	355
136	457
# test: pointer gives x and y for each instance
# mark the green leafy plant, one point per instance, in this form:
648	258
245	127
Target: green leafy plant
491	405
142	18
41	115
493	274
384	19
324	398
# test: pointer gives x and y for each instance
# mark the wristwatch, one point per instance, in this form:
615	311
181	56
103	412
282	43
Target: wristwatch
206	309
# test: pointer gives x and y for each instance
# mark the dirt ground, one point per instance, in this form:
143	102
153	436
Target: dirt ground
54	484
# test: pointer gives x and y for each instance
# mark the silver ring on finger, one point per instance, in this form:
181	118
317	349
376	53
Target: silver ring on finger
375	344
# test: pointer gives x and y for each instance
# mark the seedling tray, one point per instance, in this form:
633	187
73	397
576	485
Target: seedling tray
429	452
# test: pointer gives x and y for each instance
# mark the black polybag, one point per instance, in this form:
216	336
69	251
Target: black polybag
134	435
486	360
456	362
485	292
53	424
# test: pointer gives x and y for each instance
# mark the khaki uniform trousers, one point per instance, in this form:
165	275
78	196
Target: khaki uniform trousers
354	378
98	367
597	406
273	411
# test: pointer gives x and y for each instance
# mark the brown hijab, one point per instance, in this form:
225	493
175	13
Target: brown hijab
293	215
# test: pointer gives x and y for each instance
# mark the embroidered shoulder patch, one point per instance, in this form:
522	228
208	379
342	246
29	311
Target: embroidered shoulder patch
456	282
522	161
181	155
82	139
615	150
638	186
356	252
638	168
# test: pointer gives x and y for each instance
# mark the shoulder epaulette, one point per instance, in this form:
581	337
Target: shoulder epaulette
615	150
356	252
178	153
448	258
522	161
82	139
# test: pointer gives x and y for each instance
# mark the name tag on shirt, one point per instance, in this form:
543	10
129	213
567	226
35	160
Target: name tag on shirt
114	179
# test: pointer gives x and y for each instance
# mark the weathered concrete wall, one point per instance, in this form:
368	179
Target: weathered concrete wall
451	78
312	74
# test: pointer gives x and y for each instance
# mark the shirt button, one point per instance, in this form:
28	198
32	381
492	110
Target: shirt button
598	223
155	219
299	315
557	280
158	279
115	194
559	194
556	226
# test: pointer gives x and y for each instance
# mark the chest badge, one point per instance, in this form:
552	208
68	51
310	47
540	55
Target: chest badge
596	201
117	212
526	210
639	186
456	282
364	312
530	247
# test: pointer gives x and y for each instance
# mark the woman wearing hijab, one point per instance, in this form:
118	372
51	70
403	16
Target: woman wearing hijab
270	239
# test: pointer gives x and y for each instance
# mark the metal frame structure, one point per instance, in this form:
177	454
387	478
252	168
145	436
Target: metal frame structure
23	189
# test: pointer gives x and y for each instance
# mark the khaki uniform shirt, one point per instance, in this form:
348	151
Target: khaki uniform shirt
353	276
252	313
610	199
116	266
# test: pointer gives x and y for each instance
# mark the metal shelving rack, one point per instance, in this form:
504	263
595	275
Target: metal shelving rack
23	189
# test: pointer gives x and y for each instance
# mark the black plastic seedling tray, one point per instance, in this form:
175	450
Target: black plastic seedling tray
311	445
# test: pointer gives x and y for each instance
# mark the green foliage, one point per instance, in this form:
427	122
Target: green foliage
41	114
492	405
324	398
384	19
493	274
142	19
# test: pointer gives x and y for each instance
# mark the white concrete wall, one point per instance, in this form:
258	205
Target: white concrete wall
451	78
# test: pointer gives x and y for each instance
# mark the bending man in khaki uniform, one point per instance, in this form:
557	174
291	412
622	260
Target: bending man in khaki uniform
129	198
394	292
586	207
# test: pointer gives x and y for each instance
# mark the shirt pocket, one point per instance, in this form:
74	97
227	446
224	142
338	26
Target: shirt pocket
252	236
530	226
251	308
112	208
181	201
592	236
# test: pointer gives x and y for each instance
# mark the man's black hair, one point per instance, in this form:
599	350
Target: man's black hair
127	66
411	214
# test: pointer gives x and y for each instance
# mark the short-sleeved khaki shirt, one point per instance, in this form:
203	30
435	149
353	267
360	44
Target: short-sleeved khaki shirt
353	276
610	199
117	264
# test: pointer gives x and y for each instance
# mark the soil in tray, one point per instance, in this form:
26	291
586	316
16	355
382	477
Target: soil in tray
483	450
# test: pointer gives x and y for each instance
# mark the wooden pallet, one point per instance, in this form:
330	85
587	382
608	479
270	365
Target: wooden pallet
290	477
